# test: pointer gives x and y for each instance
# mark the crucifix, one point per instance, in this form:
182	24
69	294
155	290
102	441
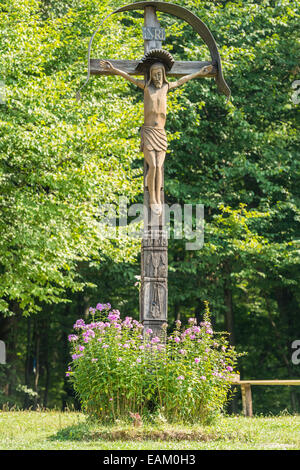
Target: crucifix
156	66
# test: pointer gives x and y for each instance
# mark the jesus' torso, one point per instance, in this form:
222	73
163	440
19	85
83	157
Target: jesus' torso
155	105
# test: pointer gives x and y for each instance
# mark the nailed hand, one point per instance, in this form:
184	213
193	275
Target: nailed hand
106	65
206	70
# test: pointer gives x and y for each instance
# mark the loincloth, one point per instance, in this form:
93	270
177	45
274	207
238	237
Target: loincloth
153	138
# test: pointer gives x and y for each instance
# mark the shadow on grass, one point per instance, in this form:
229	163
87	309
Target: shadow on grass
76	432
89	431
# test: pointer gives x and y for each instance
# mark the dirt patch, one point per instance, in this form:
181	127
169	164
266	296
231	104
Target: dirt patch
153	435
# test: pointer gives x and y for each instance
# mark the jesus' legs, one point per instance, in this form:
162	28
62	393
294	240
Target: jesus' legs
150	157
160	158
155	162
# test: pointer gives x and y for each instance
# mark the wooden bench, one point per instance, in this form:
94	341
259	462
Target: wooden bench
246	389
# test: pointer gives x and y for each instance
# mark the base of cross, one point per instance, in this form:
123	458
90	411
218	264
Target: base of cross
154	284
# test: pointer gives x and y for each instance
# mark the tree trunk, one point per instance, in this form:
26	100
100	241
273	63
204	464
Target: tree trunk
37	361
47	368
229	318
9	334
176	312
6	326
28	362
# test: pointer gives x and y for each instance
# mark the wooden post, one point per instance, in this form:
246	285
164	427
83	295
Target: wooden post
154	255
247	400
150	20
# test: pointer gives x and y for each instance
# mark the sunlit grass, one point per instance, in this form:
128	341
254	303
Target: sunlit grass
53	430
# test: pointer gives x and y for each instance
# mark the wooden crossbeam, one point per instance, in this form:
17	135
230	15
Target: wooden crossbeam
179	69
269	382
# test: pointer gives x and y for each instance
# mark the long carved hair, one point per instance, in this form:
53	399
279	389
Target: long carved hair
155	66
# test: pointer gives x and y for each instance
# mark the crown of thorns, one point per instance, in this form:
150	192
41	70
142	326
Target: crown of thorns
153	56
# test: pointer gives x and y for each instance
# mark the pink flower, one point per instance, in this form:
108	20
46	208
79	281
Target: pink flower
149	331
203	377
76	356
94	359
182	351
127	322
139	359
79	324
114	315
72	337
180	377
176	339
217	374
155	340
87	334
229	368
119	359
197	360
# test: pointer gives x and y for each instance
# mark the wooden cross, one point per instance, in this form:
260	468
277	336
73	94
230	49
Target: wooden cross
154	255
179	69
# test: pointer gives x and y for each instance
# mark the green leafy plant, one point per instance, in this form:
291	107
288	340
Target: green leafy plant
119	369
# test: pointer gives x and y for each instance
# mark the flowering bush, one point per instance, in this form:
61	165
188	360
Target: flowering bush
118	368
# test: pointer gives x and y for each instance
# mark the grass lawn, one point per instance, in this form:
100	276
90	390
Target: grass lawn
53	430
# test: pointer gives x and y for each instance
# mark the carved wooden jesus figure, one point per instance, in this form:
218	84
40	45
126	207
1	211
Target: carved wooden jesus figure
153	135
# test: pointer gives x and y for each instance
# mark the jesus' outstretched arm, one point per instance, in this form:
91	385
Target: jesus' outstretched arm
110	68
201	73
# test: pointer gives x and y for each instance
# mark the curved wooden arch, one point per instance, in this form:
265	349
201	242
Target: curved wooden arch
197	25
190	18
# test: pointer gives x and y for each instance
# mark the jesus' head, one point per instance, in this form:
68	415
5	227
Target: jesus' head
157	75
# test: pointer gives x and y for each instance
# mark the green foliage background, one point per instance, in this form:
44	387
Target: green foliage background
61	159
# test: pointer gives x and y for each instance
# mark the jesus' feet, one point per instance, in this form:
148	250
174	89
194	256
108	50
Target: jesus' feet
156	209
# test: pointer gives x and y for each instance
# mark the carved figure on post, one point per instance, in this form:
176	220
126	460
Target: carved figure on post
153	135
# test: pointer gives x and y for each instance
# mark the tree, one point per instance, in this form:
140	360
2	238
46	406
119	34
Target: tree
60	160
